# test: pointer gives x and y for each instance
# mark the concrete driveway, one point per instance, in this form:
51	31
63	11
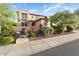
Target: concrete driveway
69	49
33	47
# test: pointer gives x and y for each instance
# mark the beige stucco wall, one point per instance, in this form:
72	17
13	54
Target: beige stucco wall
48	24
20	15
42	22
29	17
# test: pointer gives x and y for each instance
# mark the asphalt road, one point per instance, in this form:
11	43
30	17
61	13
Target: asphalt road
68	49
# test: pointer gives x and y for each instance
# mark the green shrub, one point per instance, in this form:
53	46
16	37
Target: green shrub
59	29
6	36
70	28
10	22
48	30
7	30
32	33
6	40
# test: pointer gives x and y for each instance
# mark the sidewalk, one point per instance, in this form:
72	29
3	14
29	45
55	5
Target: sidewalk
37	45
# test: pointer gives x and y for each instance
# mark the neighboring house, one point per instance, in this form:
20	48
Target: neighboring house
25	19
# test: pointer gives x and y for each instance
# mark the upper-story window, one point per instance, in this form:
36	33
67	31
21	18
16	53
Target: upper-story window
35	17
24	16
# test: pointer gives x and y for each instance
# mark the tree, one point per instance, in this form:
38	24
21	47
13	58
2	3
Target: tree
6	12
76	12
63	19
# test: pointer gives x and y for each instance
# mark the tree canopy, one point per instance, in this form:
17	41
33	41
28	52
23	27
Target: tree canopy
63	18
6	12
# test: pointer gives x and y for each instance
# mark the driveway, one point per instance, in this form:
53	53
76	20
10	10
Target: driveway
37	46
69	49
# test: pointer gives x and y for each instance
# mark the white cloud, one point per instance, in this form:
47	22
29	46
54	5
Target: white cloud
67	8
52	6
48	9
33	10
45	6
57	5
16	7
56	8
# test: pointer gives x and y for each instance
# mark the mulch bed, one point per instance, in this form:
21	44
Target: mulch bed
49	36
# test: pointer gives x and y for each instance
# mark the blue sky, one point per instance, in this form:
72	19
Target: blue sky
45	8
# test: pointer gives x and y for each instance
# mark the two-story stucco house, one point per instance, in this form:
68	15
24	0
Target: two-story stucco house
25	19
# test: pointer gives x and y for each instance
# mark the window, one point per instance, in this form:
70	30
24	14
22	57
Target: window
23	24
24	16
34	17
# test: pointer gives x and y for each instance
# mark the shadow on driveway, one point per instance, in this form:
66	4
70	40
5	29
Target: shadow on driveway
68	49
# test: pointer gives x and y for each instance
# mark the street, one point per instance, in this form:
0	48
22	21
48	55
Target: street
68	49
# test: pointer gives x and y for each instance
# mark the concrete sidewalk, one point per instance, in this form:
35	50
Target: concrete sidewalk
37	45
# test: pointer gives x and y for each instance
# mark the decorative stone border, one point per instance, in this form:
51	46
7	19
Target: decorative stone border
22	40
